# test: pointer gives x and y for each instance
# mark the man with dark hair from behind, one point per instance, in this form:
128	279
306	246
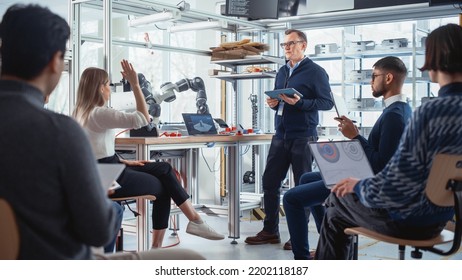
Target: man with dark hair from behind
49	174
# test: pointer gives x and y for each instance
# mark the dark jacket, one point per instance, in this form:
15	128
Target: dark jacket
301	119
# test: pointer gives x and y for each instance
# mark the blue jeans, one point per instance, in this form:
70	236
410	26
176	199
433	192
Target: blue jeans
310	193
109	248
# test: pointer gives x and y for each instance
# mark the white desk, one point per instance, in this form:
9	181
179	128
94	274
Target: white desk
190	144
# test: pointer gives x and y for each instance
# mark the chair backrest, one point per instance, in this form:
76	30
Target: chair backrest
9	234
444	169
444	188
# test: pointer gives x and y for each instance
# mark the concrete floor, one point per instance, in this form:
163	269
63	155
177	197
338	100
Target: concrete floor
223	249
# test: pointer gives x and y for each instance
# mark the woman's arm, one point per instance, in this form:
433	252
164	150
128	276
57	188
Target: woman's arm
132	77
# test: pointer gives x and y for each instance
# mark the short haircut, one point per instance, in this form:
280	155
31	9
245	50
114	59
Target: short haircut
443	49
31	35
392	64
300	34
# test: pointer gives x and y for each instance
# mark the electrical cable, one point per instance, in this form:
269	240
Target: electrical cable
164	29
175	231
123	131
208	166
246	150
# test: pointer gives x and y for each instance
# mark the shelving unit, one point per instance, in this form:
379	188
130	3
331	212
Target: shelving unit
245	76
236	75
236	66
353	90
249	60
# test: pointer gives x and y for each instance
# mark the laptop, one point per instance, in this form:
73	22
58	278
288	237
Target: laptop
199	124
108	174
338	160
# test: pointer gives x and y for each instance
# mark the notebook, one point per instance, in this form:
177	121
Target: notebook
338	160
199	124
108	174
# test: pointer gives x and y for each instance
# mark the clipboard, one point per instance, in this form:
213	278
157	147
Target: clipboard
287	91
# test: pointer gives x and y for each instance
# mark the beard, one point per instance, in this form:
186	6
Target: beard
377	93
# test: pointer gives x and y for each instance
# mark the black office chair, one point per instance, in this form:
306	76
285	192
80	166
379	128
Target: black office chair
444	188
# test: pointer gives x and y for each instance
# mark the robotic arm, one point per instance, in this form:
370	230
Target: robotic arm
196	84
153	106
149	130
167	94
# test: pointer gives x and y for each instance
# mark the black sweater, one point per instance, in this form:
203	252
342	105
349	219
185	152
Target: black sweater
300	120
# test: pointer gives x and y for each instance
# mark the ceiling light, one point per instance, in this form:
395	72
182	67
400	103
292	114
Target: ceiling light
159	17
199	26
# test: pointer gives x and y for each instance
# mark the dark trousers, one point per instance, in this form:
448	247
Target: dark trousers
311	193
282	154
154	178
348	211
109	248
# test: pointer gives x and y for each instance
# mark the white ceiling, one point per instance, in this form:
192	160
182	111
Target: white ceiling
57	6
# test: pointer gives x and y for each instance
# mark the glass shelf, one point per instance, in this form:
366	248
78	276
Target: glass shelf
249	60
243	76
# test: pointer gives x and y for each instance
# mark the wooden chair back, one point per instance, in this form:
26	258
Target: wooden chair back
444	188
445	168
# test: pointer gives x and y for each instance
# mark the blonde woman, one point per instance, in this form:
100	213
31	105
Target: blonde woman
139	177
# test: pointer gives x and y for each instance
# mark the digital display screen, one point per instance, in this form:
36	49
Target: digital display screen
237	8
443	2
253	9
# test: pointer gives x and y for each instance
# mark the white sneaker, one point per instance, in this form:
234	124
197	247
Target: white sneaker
203	230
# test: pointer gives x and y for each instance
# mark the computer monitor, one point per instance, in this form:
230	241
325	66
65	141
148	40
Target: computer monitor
253	9
443	2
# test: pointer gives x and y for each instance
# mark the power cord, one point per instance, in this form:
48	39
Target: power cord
123	131
208	166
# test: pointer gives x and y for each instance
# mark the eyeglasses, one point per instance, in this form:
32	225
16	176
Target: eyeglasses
289	44
376	75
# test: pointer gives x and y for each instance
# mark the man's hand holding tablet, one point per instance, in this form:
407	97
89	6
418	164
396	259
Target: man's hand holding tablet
290	92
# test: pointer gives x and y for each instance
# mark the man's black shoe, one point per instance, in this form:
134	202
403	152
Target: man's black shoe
263	237
288	245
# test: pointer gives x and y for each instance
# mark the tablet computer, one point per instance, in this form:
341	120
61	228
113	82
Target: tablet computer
287	91
338	160
340	107
108	174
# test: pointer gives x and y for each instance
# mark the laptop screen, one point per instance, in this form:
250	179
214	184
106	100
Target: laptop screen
338	160
199	124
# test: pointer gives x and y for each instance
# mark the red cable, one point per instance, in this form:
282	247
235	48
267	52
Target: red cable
123	131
